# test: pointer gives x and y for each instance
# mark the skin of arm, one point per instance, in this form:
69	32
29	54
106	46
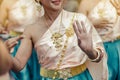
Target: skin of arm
5	59
86	9
81	9
23	53
3	12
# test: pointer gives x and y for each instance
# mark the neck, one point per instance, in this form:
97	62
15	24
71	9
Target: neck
52	15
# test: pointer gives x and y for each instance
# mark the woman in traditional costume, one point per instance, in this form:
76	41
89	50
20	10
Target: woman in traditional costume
67	45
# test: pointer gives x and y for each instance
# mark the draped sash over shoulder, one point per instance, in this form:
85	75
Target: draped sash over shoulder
74	56
105	19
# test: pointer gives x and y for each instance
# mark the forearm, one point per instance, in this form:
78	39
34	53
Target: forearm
5	59
17	65
22	55
7	62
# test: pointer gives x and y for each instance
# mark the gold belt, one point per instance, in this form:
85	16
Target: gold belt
69	72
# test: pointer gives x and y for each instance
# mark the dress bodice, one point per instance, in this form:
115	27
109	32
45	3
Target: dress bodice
47	54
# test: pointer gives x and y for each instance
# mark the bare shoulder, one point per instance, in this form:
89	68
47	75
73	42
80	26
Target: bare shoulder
88	2
35	25
86	6
33	29
82	7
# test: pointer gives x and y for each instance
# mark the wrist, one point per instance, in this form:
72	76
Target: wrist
98	54
92	54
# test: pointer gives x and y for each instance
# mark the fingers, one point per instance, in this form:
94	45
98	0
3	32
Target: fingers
19	37
76	28
112	2
13	41
10	43
90	31
115	3
83	26
10	46
80	30
79	27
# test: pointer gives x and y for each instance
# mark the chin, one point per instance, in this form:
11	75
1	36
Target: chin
56	6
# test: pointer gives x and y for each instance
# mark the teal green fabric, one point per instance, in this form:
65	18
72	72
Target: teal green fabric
113	53
32	69
83	76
